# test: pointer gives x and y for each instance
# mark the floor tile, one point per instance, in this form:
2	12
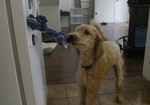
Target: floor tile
133	66
110	99
75	101
135	83
108	86
57	101
72	90
56	91
110	75
139	97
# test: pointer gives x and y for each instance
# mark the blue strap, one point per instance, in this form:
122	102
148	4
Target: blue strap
39	23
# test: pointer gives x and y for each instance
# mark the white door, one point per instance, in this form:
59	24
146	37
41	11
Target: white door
104	10
121	13
111	11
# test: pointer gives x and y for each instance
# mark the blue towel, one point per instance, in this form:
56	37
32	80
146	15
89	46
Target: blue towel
39	23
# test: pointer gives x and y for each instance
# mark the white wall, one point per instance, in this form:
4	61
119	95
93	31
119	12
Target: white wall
52	14
72	3
146	67
65	5
49	2
50	9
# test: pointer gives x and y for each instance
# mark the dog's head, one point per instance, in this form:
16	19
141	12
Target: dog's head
85	37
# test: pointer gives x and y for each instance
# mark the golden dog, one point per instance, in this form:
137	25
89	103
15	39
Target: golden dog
97	56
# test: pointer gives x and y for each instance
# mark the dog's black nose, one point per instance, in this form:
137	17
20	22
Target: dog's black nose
71	38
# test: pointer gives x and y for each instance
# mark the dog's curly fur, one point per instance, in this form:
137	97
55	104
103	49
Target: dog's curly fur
97	55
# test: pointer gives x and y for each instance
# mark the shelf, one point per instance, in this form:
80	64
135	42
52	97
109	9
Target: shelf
75	23
76	15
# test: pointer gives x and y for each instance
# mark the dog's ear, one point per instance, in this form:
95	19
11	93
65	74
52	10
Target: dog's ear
98	46
98	27
99	37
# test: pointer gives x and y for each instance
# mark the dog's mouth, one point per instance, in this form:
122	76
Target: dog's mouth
77	43
73	40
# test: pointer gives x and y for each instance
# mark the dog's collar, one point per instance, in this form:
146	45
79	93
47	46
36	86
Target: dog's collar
87	67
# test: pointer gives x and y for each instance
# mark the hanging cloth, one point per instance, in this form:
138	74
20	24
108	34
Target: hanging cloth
39	23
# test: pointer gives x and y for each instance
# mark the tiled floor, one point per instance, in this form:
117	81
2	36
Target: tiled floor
136	91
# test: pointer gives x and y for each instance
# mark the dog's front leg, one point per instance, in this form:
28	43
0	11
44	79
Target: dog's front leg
82	95
91	97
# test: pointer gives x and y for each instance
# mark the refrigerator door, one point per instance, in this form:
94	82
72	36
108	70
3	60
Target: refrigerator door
30	56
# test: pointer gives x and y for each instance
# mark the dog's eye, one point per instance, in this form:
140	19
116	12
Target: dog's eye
86	32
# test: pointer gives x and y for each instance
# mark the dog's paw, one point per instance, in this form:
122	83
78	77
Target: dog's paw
119	100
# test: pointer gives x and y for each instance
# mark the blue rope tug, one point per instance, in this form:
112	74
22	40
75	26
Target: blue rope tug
39	23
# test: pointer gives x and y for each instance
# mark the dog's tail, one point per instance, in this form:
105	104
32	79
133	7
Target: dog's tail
98	27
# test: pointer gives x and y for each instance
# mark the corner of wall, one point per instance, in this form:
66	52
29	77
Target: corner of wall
146	66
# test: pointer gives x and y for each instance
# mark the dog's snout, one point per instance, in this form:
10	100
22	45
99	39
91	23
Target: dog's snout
71	38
